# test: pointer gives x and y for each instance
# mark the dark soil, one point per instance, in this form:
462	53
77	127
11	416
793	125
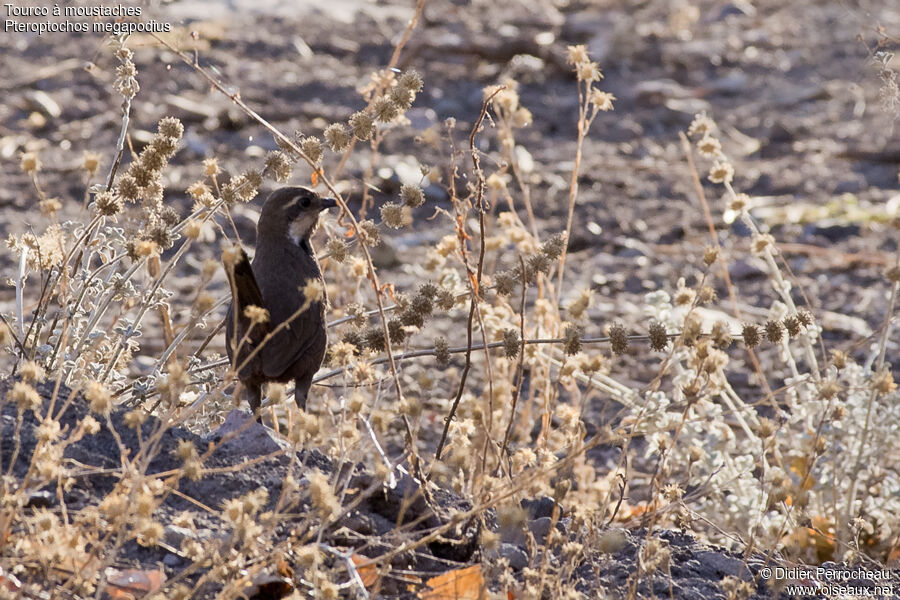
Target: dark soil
372	528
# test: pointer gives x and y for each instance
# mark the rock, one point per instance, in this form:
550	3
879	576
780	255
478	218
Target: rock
540	528
516	556
720	564
738	8
539	507
747	268
833	233
249	437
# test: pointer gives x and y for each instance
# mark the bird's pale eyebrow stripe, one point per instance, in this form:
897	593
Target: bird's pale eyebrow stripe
293	201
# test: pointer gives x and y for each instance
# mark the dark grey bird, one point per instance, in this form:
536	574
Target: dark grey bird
289	345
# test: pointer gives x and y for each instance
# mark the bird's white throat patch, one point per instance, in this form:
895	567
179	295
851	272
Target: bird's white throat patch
301	228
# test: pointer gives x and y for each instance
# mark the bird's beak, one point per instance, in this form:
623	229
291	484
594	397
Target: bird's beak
328	203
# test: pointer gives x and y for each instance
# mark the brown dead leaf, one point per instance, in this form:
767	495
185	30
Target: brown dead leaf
460	584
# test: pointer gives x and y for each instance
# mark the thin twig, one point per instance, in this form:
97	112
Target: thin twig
479	197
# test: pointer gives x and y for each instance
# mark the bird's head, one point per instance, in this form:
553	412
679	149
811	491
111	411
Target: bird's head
292	213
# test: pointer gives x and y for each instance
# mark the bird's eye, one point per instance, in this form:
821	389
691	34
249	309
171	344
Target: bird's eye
304	201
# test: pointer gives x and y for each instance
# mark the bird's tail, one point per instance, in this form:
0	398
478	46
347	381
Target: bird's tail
244	289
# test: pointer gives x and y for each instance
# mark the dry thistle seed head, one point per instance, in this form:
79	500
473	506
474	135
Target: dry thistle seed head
601	100
696	454
109	203
710	256
691	391
31	371
750	335
411	80
397	331
369	233
761	243
739	203
256	314
577	54
211	167
593	363
162	236
445	300
412	195
709	146
337	137
706	294
100	400
385	109
170	127
588	71
25	396
684	296
231	255
672	492
149	532
659	339
322	495
655	555
766	428
505	282
537	263
701	125
721	172
720	335
374	338
804	317
554	246
30	163
279	166
337	249
512	343
792	325
313	291
572	339
135	418
693	329
363	125
204	302
49	206
774	331
401	98
185	450
411	406
893	274
396	216
340	353
883	381
581	304
442	352
829	389
90	163
145	248
312	148
618	339
193	228
127	187
839	359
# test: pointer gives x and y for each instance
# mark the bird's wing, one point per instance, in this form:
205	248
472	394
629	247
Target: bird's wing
303	338
244	292
244	288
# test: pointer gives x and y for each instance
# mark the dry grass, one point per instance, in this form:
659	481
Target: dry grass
816	479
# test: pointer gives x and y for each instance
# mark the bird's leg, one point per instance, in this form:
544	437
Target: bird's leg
254	397
301	390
